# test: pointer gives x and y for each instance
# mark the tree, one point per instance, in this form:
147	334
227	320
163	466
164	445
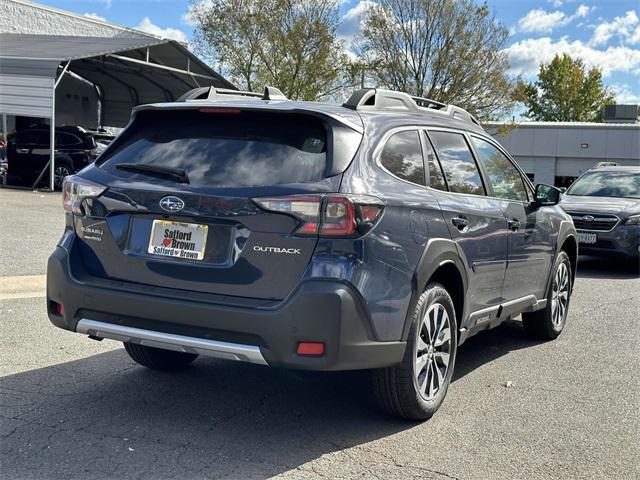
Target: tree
565	92
289	44
446	50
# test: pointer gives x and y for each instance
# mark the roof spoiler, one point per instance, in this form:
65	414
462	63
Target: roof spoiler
213	93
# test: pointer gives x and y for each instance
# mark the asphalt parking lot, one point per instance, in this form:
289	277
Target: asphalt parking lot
74	408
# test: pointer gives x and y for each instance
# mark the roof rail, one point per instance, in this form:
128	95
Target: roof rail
606	164
393	101
213	93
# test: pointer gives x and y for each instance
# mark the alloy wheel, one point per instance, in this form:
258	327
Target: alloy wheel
560	295
433	351
58	175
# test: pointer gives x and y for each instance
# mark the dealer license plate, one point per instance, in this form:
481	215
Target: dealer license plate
178	240
587	237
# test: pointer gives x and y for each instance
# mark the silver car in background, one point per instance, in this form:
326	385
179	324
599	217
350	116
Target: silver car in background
604	204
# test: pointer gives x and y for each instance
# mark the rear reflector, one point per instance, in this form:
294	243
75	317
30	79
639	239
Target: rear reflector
311	348
58	309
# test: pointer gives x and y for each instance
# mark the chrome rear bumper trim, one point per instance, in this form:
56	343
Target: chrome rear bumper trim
169	341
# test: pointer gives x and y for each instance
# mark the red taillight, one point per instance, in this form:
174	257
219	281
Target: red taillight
314	349
339	217
305	208
327	215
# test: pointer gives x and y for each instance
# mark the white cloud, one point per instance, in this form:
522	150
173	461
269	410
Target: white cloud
582	11
624	94
95	16
146	25
626	28
526	56
539	20
351	21
106	3
187	17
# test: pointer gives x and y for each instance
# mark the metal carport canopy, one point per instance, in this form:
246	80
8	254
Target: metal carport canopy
125	71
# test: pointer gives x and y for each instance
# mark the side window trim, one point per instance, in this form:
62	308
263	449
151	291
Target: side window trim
424	138
525	179
488	187
377	153
467	140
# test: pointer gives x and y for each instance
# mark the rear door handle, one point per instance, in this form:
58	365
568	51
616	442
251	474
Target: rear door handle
460	222
513	225
22	150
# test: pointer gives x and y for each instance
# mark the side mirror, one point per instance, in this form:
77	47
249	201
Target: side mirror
563	189
547	195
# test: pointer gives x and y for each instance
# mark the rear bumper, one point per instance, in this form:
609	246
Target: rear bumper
318	311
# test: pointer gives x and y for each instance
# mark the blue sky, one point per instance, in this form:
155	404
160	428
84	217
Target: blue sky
604	33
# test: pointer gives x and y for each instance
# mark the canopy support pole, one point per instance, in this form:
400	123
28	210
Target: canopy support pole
52	133
51	164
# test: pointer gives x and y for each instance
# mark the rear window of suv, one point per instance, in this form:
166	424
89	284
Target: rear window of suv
225	149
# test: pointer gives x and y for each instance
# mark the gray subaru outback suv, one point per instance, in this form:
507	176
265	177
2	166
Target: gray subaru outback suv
379	235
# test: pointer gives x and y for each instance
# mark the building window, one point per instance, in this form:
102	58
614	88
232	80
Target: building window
564	181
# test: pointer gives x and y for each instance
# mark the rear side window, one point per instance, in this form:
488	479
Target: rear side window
504	177
402	156
459	167
67	140
24	138
225	149
43	138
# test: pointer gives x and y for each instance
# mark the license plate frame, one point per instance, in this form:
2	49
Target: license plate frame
587	238
182	235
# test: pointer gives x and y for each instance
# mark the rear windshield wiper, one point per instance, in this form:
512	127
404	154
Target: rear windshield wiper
155	170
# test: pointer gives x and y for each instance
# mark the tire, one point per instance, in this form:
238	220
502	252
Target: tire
157	358
548	323
404	392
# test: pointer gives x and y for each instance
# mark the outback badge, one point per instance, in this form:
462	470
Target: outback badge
171	204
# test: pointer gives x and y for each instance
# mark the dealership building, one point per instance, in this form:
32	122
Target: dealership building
557	152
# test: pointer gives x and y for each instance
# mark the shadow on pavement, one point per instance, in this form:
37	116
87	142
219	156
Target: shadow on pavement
105	417
489	345
607	267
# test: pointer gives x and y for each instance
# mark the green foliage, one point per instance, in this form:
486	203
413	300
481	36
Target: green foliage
565	92
289	44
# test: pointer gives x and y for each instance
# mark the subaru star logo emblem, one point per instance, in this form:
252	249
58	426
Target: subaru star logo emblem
171	204
588	218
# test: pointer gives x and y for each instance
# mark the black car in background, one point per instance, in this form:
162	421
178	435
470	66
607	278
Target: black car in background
28	152
605	206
